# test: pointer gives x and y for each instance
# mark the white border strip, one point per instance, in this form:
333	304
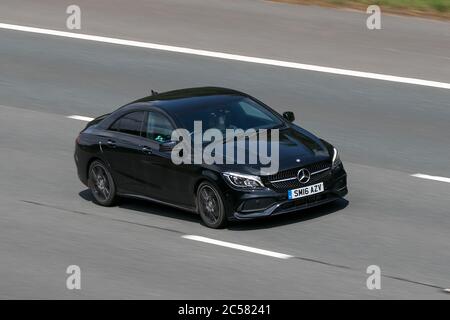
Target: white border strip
81	118
428	177
228	56
238	247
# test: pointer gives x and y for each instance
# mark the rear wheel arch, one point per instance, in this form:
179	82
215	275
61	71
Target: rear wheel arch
97	158
88	165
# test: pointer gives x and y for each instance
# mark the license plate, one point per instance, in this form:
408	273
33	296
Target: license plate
305	191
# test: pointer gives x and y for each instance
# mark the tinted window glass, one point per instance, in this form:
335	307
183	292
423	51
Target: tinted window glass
159	127
130	123
115	126
250	111
232	112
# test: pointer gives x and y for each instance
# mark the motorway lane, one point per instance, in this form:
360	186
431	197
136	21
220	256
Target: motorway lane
385	131
374	122
406	46
135	250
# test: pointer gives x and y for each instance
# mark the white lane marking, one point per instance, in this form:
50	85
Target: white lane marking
238	247
82	118
435	178
228	56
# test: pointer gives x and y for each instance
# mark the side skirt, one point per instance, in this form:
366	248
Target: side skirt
136	196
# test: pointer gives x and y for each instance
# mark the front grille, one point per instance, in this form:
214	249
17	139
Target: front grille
273	181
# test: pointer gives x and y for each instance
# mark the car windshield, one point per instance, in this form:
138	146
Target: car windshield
234	112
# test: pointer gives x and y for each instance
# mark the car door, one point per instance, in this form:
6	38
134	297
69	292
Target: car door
121	147
165	180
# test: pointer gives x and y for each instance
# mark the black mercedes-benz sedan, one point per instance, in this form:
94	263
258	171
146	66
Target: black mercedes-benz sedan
144	150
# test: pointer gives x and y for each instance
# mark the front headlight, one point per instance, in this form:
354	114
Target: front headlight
336	161
243	181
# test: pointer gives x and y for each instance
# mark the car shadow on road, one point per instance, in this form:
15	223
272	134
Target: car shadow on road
148	207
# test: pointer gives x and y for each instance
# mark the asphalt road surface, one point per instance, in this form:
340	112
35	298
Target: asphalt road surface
386	132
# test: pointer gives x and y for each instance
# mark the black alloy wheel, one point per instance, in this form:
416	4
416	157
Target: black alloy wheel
210	206
101	184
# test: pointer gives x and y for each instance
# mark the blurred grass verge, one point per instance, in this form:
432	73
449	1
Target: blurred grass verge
425	8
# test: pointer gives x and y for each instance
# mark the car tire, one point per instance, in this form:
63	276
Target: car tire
101	184
211	206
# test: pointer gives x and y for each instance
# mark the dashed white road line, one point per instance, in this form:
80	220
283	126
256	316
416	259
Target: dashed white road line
428	177
238	247
228	56
81	118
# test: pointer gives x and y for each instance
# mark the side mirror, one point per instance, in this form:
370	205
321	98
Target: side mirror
289	116
167	146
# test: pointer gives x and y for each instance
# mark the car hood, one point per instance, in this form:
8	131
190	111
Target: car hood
297	147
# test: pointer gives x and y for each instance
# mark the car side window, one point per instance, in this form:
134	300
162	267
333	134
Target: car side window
131	123
159	128
116	125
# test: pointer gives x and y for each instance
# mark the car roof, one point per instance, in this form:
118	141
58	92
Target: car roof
176	100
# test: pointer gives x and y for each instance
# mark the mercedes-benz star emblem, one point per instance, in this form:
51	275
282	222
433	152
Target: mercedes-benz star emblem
303	176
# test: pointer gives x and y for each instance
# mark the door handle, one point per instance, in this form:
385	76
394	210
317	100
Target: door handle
147	150
111	143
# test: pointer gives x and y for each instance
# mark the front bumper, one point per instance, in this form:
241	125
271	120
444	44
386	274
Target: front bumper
273	202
